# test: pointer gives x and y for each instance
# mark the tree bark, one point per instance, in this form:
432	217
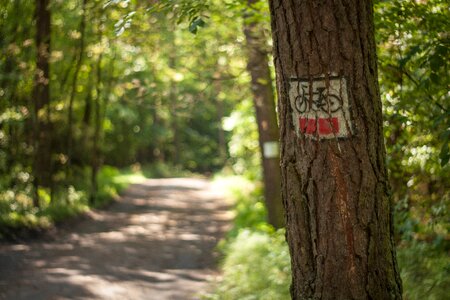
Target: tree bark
264	103
334	180
41	99
79	62
95	161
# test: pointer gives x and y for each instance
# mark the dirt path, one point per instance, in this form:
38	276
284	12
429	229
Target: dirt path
157	243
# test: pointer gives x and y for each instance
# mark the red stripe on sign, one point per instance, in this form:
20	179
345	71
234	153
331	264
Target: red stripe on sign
308	126
303	123
328	125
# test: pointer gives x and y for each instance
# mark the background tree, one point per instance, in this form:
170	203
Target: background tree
413	45
264	103
335	186
41	101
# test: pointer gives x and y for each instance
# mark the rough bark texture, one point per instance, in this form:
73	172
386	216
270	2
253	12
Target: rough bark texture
264	103
41	100
335	191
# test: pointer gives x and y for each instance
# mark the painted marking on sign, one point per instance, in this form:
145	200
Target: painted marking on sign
320	107
271	149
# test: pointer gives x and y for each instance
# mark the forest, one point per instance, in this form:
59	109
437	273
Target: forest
100	95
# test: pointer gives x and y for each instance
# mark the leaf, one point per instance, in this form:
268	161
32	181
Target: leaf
439	120
120	30
445	154
414	50
110	2
200	22
436	62
193	28
196	22
434	78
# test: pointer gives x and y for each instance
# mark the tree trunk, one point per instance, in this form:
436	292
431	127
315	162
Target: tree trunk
264	103
41	99
95	161
221	141
334	180
173	96
79	62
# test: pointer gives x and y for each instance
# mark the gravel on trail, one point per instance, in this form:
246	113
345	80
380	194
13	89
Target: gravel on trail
156	242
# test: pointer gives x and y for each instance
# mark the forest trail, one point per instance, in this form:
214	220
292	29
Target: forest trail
156	242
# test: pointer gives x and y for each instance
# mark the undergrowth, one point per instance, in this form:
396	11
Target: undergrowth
256	262
19	218
163	170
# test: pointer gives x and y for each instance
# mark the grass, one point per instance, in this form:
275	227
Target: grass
163	170
425	269
19	218
256	266
247	201
255	262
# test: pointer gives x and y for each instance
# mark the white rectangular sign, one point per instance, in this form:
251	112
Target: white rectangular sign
320	108
271	149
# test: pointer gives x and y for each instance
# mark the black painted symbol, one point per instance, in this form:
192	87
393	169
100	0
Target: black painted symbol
327	102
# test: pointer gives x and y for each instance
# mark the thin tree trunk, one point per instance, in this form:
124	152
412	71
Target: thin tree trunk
334	179
41	95
95	160
264	103
220	114
173	95
74	86
222	145
158	153
96	136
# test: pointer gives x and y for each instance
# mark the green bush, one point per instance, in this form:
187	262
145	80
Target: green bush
18	216
247	201
256	267
425	269
245	157
164	170
256	263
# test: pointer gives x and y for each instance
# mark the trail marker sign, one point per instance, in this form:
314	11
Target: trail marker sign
270	149
320	108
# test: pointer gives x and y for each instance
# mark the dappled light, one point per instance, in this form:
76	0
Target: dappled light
224	150
162	233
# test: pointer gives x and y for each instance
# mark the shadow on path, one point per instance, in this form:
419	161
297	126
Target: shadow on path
157	242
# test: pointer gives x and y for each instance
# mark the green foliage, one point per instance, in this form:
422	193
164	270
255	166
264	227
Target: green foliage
413	52
184	10
18	216
413	43
195	24
248	203
243	146
256	266
161	170
112	181
60	212
143	90
425	270
256	263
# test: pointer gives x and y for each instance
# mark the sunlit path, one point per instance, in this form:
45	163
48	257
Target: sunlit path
157	242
